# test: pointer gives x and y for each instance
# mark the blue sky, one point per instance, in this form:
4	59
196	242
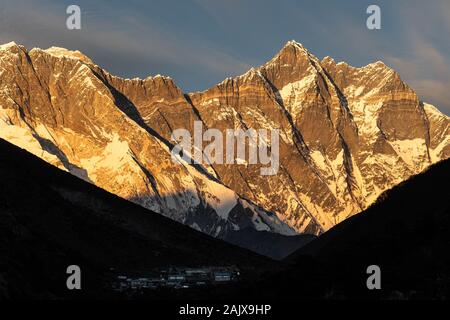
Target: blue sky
200	42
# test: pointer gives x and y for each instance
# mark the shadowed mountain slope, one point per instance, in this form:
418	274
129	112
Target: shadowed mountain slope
406	233
50	219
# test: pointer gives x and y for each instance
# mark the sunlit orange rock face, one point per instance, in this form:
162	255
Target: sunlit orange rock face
346	135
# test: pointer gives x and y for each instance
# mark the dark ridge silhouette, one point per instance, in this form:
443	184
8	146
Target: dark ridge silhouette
50	219
406	233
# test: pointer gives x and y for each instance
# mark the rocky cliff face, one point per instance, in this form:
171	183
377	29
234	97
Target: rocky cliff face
346	135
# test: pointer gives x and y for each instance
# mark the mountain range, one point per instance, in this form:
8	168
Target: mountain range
346	135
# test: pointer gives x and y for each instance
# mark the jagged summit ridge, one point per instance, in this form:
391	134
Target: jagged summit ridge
62	52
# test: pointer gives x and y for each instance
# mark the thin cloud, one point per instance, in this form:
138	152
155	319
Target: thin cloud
43	25
427	70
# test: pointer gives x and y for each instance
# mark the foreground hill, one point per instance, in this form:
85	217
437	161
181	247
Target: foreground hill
406	233
50	219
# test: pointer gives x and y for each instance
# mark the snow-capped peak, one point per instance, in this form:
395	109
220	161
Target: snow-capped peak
8	45
295	44
328	58
63	52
